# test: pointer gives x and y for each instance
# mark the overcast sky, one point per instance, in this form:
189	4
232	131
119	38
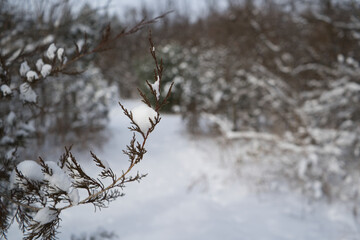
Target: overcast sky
194	8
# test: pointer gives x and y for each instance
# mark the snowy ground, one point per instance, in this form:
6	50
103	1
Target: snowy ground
190	194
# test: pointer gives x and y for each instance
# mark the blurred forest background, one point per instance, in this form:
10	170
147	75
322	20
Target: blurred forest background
276	83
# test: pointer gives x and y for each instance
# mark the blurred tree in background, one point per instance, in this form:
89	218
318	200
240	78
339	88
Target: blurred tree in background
285	73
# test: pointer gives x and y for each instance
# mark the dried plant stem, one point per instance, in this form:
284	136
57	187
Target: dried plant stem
112	185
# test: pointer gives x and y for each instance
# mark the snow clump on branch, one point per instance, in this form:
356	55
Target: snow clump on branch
27	94
31	76
46	70
45	215
6	90
142	115
51	51
59	178
24	68
29	169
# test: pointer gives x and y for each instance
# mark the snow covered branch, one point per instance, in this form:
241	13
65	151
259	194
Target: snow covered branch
34	54
41	190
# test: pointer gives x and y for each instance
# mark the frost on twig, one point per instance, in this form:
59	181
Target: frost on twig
42	189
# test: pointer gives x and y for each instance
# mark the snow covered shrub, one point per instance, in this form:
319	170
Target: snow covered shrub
318	153
40	190
337	98
35	51
281	82
330	102
332	114
82	107
42	91
210	81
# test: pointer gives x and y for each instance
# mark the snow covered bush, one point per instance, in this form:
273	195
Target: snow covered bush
209	80
81	105
43	91
248	99
40	190
31	62
280	81
317	151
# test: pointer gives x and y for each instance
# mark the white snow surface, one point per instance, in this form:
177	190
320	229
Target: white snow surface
190	193
45	215
142	115
46	70
50	53
27	94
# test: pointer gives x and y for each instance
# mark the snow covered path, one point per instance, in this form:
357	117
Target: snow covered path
175	202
